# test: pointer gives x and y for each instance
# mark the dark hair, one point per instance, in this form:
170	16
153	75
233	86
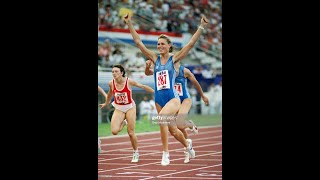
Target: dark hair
121	68
168	41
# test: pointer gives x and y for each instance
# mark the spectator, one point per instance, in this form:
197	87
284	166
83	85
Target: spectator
145	108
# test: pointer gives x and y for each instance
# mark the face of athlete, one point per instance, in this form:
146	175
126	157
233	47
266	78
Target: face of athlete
163	46
116	73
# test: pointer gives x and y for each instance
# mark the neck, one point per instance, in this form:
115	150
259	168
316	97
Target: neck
119	80
165	56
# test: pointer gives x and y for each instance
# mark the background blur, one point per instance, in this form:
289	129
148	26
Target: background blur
178	19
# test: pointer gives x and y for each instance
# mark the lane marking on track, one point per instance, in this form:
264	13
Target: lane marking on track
155	132
120	164
154	170
209	171
124	157
140	150
129	172
196	159
189	178
204	174
124	164
207	174
109	176
157	144
157	138
181	172
159	155
154	163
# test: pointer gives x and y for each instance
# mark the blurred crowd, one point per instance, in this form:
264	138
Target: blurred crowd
176	16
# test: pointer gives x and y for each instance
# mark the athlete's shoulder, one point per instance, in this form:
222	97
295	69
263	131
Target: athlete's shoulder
131	81
187	72
110	82
171	56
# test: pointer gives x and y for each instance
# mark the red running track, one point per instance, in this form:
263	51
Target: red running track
114	161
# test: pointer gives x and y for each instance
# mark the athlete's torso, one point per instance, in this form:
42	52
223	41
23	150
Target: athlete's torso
164	78
122	96
181	84
164	75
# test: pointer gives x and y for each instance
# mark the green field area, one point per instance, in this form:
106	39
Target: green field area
148	126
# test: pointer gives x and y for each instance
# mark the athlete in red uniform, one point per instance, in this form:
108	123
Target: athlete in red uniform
125	107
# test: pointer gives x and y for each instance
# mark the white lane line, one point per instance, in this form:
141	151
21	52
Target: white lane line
109	176
155	132
157	163
154	170
189	177
196	159
152	139
158	144
133	165
160	155
209	171
182	172
179	149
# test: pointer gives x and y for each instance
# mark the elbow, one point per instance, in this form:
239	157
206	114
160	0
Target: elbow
191	44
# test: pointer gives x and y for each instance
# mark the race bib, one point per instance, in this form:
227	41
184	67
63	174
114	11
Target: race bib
121	98
162	78
178	87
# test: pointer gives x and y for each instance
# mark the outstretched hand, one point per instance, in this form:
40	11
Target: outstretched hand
205	100
126	18
148	63
204	21
103	105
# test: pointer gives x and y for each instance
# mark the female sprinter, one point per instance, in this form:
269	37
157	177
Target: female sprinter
120	87
185	99
166	97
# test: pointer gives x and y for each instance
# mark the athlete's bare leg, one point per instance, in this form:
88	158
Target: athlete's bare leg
170	109
131	118
182	124
116	121
163	132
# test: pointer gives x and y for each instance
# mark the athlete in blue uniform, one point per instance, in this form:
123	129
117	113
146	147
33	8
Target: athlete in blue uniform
165	77
166	98
186	101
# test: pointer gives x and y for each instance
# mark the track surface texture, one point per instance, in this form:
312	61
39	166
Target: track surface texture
114	161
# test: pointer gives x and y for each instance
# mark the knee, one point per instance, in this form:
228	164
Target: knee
114	132
173	131
181	128
181	125
131	133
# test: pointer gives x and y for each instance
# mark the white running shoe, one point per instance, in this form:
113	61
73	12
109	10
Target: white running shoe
135	157
186	157
165	159
191	151
194	127
125	121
